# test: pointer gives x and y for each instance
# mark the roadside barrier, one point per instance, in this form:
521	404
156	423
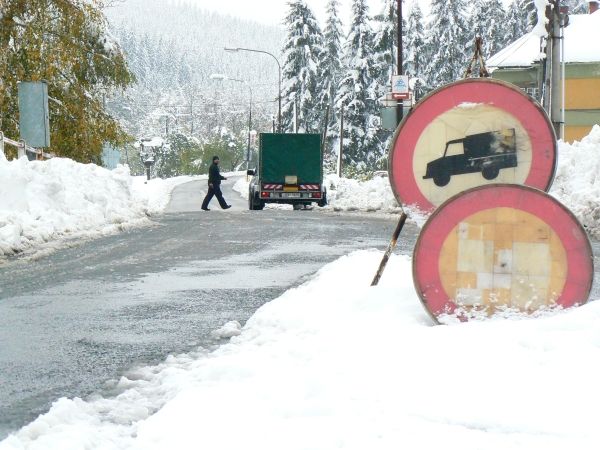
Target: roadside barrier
23	148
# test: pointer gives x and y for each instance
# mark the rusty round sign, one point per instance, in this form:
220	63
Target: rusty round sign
501	248
471	133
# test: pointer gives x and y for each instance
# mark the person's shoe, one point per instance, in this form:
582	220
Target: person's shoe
227	207
205	209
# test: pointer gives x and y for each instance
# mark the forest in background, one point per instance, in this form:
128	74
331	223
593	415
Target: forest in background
120	71
173	53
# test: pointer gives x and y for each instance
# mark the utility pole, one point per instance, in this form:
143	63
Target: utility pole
400	107
339	165
555	90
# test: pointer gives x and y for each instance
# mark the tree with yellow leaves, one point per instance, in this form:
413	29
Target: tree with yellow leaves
66	43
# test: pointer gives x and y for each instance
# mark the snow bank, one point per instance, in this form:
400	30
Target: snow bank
577	181
344	194
338	364
42	201
352	195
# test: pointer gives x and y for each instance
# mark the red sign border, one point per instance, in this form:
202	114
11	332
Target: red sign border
426	254
494	92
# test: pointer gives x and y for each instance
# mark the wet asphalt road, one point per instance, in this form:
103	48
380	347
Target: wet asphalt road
73	321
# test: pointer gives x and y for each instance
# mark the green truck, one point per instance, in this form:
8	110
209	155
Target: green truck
290	171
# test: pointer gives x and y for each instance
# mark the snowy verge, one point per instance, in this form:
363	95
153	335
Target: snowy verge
43	201
577	180
336	363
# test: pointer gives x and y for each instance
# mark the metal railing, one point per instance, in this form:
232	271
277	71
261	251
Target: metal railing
23	148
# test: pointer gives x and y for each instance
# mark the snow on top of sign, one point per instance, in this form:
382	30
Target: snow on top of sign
580	35
469	105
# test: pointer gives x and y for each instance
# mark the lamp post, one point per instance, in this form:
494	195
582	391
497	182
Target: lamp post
239	49
225	77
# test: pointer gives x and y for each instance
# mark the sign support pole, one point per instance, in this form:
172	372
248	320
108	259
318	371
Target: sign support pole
389	250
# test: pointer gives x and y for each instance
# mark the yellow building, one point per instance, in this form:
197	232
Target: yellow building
519	63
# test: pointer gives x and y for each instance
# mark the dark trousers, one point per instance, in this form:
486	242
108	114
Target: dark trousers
215	190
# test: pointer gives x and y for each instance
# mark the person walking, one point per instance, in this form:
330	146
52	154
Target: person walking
214	186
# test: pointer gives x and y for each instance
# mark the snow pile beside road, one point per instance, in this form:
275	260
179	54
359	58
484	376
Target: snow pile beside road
42	201
345	194
336	363
577	181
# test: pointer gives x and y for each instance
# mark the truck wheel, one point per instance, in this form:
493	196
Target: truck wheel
489	173
441	180
254	203
251	200
323	201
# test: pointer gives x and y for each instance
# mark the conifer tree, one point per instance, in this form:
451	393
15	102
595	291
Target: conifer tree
528	12
67	44
302	51
516	23
330	67
385	45
448	39
415	47
356	95
488	20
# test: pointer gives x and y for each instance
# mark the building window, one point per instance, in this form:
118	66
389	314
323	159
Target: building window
532	92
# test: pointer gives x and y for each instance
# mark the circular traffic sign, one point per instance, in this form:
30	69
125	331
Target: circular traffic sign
470	133
503	247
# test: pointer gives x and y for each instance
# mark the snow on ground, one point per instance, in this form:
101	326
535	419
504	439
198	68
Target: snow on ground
577	181
42	202
337	364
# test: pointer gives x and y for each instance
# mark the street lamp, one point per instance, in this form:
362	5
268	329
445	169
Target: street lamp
239	49
216	76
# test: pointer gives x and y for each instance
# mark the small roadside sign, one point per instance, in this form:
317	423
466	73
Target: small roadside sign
400	87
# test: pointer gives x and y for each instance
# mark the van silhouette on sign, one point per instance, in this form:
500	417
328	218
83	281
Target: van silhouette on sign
482	152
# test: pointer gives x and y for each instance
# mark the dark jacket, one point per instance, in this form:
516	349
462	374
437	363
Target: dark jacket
214	176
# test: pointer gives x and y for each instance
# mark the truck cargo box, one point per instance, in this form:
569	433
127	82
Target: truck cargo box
284	155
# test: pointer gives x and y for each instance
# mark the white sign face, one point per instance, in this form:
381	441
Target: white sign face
451	137
400	84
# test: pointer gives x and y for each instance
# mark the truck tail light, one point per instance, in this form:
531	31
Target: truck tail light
264	194
316	195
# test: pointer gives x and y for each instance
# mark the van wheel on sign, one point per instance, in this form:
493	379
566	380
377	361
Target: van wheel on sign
489	173
441	180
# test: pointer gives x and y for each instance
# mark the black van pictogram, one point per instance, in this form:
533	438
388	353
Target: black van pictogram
482	152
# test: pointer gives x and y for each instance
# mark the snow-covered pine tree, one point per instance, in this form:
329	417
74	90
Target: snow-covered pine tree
302	50
361	149
577	6
385	45
528	13
516	22
415	47
488	21
448	38
330	67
